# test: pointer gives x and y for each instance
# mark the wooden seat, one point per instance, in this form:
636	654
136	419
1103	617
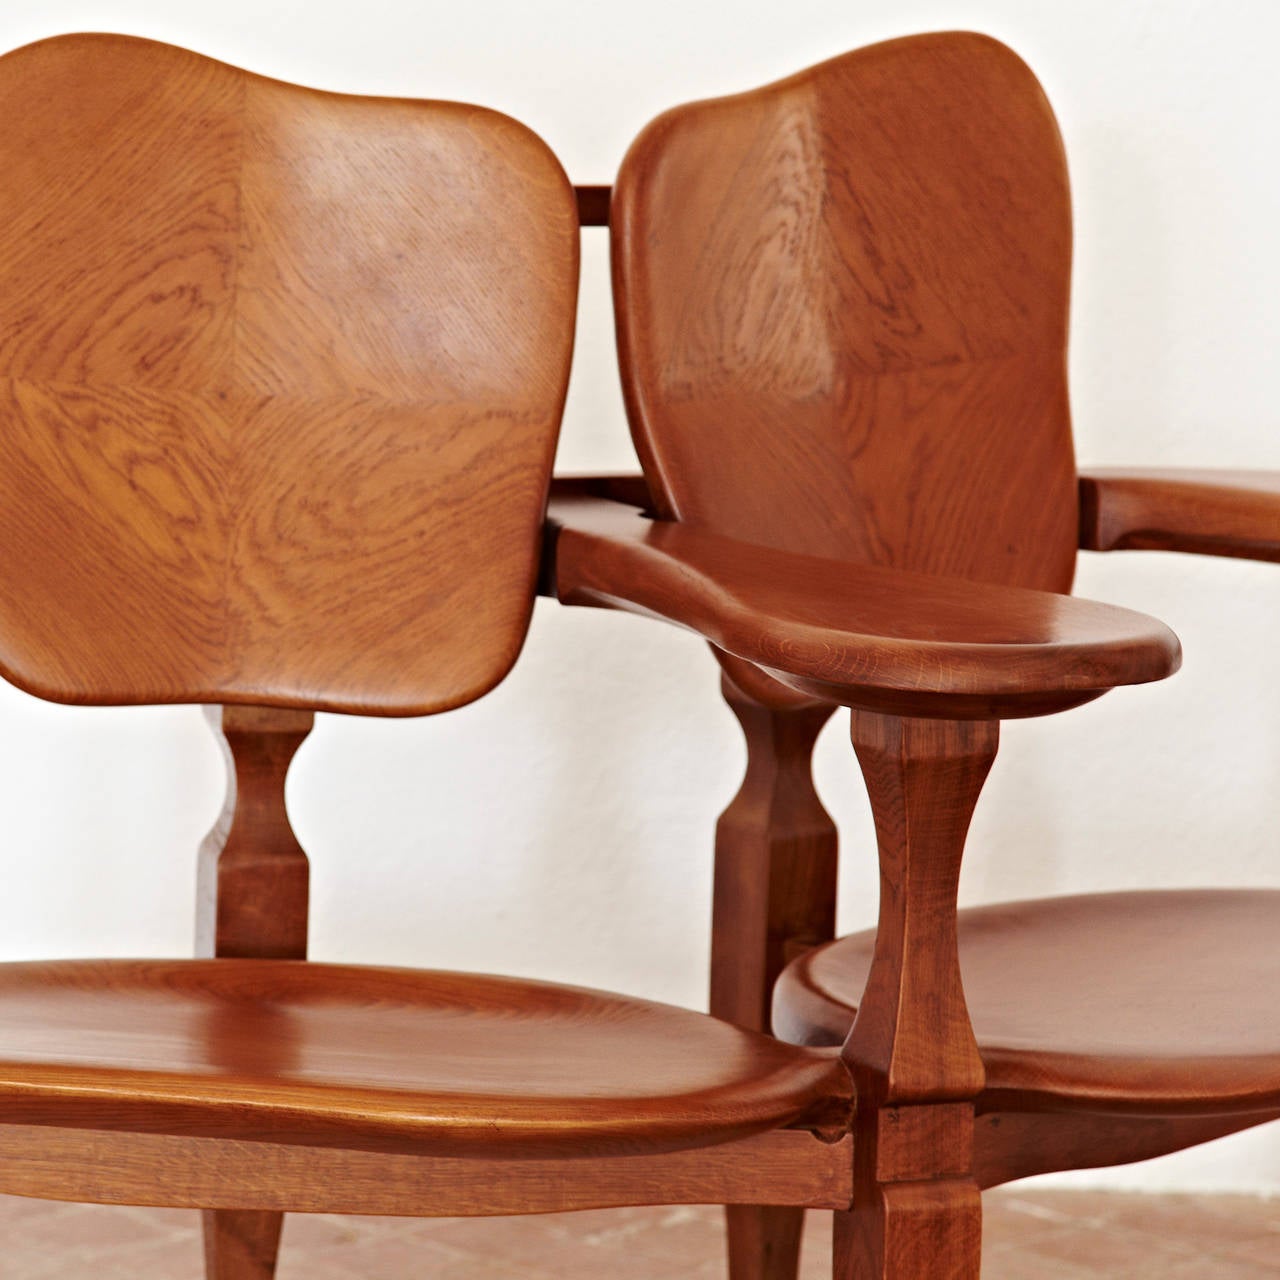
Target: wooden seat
388	1059
1086	1002
842	316
281	377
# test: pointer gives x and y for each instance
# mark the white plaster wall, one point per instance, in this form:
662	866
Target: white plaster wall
562	827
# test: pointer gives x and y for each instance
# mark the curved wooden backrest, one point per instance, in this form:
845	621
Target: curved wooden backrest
842	313
281	374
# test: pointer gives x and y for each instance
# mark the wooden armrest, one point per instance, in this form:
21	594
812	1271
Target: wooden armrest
1216	513
862	635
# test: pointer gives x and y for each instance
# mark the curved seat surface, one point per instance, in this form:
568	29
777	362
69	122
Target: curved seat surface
385	1058
1146	1003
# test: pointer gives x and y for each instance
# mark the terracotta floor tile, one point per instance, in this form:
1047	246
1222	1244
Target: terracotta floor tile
1102	1250
399	1256
89	1226
1052	1208
625	1246
1038	1235
815	1246
1208	1222
310	1265
20	1208
1261	1251
178	1256
1217	1268
330	1231
1015	1264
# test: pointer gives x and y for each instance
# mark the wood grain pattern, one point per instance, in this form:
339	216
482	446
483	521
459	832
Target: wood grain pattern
1081	1002
912	1229
252	898
775	868
863	357
1080	1013
253	884
911	1041
1009	1145
774	894
389	1059
841	309
911	1048
241	1244
1218	513
269	429
185	1172
855	633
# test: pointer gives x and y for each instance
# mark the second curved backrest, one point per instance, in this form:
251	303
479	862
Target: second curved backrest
842	313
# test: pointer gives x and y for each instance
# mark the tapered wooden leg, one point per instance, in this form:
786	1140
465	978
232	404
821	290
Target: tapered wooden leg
252	895
775	886
911	1050
764	1241
912	1231
241	1245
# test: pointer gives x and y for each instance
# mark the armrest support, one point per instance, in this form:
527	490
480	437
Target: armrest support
629	488
1216	513
862	635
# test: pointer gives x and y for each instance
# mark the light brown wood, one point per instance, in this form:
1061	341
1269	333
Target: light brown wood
1220	513
860	634
253	882
911	1229
280	378
241	1244
184	1172
911	1041
390	1059
775	877
274	433
1082	1002
762	1242
842	313
252	896
1009	1145
774	895
1080	1009
911	1049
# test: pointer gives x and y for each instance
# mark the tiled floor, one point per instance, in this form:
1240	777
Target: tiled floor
1030	1235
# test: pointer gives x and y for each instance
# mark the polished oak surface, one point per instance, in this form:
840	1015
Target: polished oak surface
842	313
252	899
1222	513
1157	1003
280	380
857	633
798	1167
439	1063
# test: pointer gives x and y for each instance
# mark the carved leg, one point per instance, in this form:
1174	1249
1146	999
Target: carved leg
764	1241
913	1231
775	886
252	893
911	1050
241	1244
